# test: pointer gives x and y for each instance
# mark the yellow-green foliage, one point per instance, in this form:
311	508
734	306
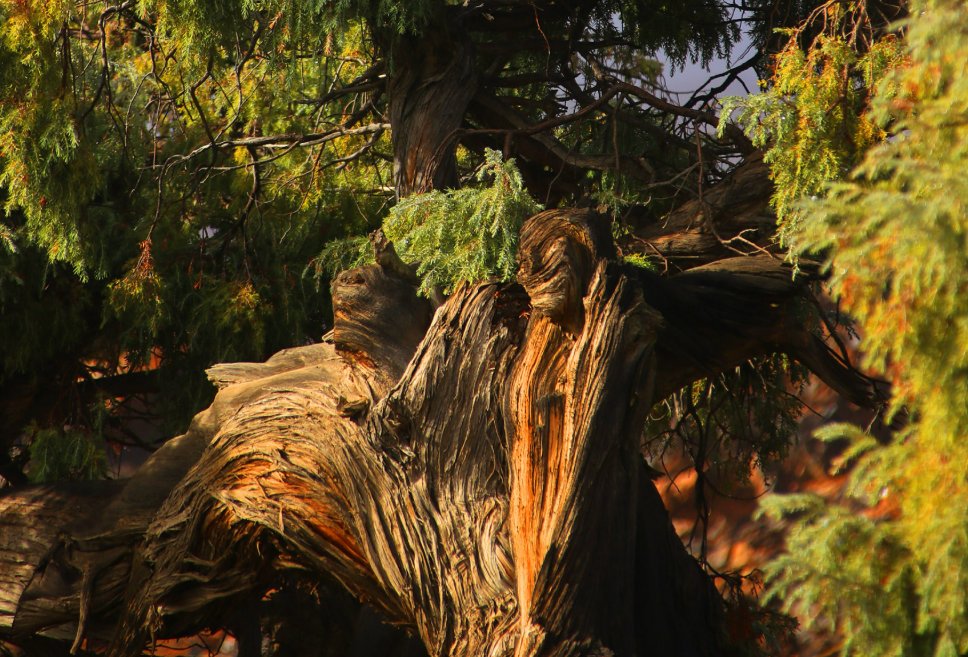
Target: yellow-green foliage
136	297
460	235
49	169
123	233
812	118
341	254
896	233
845	571
468	234
639	260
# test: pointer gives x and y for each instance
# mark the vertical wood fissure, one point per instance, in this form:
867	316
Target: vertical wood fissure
573	492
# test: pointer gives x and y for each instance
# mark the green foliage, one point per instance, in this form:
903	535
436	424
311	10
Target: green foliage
896	230
616	192
203	25
136	299
128	239
68	453
464	235
45	313
468	234
341	254
51	165
663	26
640	261
894	579
123	245
844	568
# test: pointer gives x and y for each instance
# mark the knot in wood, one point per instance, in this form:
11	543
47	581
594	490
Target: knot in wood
378	317
557	255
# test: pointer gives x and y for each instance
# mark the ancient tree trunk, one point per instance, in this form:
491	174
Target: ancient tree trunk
474	474
432	82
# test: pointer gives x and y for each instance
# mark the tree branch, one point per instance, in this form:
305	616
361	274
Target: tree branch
496	112
287	141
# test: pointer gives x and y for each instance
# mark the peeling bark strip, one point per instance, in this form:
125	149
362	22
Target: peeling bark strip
476	479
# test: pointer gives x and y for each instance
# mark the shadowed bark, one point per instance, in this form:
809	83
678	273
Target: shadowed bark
475	477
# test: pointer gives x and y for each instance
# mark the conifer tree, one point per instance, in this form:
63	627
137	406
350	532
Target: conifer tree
528	254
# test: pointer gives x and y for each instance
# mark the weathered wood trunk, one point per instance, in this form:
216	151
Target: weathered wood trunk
473	474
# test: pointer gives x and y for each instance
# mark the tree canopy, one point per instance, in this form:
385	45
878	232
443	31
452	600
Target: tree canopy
182	181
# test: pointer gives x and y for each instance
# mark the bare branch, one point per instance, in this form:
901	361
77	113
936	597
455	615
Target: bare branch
498	112
287	141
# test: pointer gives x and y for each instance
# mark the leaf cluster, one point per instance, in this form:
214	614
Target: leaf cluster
743	419
127	238
468	234
846	573
814	119
69	453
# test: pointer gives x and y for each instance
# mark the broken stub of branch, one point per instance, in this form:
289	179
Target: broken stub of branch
378	317
557	256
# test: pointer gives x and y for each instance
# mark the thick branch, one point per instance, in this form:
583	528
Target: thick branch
731	218
732	131
286	141
493	112
433	82
720	315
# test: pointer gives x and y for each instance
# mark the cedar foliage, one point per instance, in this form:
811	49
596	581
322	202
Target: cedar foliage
813	116
130	186
891	572
122	249
464	235
455	236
